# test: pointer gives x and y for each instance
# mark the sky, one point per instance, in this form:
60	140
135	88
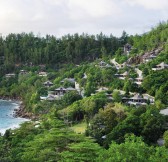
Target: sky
60	17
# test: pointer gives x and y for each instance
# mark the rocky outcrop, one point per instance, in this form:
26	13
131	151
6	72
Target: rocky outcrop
21	112
139	58
10	98
135	60
154	52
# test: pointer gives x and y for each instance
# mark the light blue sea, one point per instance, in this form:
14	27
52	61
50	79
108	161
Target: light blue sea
7	120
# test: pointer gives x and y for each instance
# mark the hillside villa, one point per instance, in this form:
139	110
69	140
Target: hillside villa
48	84
160	66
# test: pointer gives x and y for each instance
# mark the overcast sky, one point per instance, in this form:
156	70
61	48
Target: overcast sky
60	17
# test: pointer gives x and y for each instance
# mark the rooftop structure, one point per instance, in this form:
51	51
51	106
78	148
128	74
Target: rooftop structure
149	58
103	64
138	99
71	80
101	89
138	81
160	66
10	75
164	111
42	74
116	64
22	72
122	76
127	48
48	84
85	76
148	97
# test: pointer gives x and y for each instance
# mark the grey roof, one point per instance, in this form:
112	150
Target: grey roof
72	80
48	82
164	111
102	89
162	64
70	89
125	73
50	98
60	88
137	96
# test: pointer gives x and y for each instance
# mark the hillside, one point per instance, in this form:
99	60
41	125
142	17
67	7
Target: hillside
110	88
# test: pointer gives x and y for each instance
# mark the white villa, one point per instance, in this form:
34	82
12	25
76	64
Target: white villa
122	76
102	89
48	84
57	94
138	80
11	75
117	65
85	76
22	72
138	99
109	96
127	48
148	97
160	66
42	74
149	58
103	64
164	111
71	80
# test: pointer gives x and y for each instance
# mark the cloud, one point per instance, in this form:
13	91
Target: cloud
149	4
93	8
60	17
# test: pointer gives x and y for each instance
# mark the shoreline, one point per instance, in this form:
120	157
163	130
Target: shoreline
20	111
9	119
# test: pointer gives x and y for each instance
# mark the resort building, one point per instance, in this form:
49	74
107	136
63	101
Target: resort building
48	84
84	76
102	89
23	72
57	94
127	48
11	75
42	74
71	80
103	64
138	81
138	99
160	66
148	58
122	76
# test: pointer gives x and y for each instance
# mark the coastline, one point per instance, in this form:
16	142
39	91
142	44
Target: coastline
20	111
8	119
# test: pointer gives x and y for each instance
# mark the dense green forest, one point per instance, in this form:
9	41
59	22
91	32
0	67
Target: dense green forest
99	120
28	49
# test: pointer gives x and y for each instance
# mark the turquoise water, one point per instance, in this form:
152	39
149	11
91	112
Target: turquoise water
7	120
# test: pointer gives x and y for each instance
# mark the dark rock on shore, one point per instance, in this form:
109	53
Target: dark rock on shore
21	111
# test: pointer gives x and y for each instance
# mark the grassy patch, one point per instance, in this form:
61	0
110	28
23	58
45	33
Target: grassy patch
79	128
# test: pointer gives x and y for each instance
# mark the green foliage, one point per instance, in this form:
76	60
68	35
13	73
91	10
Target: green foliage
104	122
71	97
52	139
83	151
116	96
151	85
166	139
133	149
148	124
86	107
32	50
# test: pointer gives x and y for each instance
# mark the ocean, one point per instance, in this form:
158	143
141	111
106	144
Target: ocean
7	120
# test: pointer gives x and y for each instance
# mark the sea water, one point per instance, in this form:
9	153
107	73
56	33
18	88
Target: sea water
7	120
